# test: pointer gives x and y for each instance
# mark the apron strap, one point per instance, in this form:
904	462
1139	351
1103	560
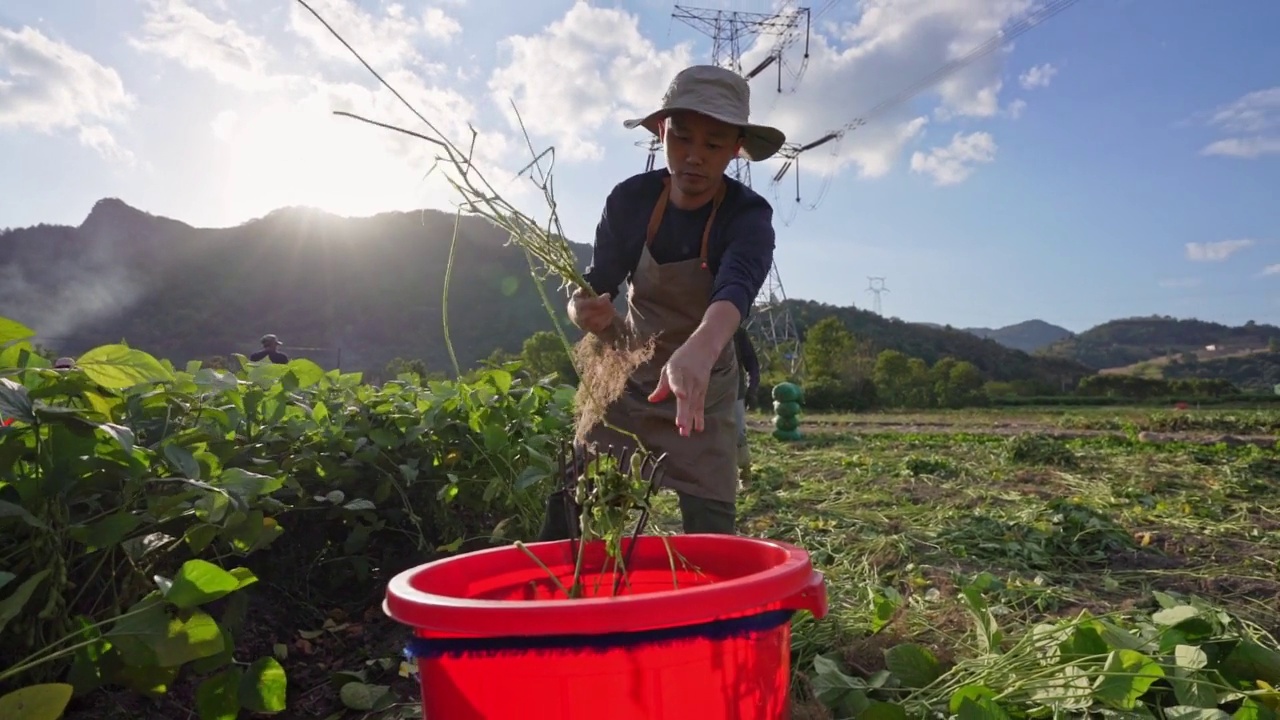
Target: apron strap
655	218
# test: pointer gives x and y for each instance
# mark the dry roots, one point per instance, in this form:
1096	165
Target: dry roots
605	363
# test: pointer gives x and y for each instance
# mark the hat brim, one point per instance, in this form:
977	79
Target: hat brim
761	142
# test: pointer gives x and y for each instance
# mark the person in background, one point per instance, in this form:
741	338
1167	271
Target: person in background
748	384
270	349
64	363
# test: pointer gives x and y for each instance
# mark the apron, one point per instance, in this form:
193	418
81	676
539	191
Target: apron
669	300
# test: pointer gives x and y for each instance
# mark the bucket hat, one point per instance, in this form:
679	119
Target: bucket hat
719	93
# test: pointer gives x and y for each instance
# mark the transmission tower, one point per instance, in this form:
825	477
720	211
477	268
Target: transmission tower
770	320
875	286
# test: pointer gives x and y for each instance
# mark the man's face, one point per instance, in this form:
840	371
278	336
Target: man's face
698	149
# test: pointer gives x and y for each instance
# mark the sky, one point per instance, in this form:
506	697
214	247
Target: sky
1121	158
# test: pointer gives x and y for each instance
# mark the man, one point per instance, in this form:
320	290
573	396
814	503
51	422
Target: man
270	349
748	383
695	246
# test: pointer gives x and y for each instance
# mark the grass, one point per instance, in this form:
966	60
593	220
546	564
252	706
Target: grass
900	521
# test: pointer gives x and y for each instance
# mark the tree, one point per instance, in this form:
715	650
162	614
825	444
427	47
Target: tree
827	347
543	353
892	377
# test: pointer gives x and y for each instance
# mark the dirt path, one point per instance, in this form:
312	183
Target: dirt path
874	427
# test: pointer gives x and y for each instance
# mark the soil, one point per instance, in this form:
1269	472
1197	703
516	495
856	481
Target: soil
871	427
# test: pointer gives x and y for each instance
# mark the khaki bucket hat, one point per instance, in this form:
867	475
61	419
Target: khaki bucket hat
719	93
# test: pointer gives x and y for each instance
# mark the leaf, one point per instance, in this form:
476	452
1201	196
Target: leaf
878	710
12	606
152	638
218	697
1174	615
969	693
913	664
264	686
307	372
36	702
529	476
365	697
1126	676
109	531
360	504
8	509
15	402
182	460
980	708
199	582
6	578
248	485
121	434
119	367
11	330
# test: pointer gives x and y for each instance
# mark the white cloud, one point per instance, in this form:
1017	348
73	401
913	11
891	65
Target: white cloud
954	163
1271	270
1216	251
1252	124
589	70
584	73
177	30
1038	76
385	41
48	86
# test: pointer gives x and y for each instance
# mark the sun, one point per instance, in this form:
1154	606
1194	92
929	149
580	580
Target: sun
286	154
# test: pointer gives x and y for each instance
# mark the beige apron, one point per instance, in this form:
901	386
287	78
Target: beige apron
669	300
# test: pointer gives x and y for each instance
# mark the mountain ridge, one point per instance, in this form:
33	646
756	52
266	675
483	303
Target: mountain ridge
360	291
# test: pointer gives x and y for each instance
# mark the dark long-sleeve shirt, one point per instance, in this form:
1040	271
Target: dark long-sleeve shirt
747	357
739	249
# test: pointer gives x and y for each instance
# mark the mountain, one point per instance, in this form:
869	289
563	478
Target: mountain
931	342
348	292
1125	342
1027	336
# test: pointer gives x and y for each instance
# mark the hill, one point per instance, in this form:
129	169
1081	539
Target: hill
930	343
1129	341
1027	336
354	292
1253	372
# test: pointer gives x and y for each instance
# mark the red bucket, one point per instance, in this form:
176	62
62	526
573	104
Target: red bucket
702	631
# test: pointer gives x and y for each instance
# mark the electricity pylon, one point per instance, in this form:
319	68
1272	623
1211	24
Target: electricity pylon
876	286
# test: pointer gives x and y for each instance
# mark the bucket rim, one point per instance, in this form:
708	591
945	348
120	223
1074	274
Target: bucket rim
792	583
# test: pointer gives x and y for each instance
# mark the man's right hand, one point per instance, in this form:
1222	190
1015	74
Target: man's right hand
593	314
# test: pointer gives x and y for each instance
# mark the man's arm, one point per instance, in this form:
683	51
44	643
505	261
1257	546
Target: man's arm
744	267
608	266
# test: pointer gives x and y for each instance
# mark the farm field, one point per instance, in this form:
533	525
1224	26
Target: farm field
969	570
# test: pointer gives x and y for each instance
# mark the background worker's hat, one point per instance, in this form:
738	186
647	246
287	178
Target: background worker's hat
719	93
271	338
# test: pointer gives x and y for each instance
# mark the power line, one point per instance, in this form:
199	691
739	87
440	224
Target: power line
791	151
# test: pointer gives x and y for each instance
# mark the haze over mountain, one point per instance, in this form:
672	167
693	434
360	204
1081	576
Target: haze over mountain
359	292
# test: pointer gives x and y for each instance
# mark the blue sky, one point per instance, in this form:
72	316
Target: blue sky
1119	159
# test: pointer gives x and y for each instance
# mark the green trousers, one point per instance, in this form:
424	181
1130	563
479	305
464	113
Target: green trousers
697	515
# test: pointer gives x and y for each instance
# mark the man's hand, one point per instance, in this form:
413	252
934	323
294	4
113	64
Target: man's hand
687	375
593	314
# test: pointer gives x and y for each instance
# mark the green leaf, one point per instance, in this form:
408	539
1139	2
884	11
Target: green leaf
1125	677
15	402
218	697
6	578
980	708
913	664
878	710
365	697
121	434
307	372
971	694
12	606
248	485
1174	615
108	531
8	509
264	686
199	582
119	367
1250	661
152	638
36	702
182	460
11	330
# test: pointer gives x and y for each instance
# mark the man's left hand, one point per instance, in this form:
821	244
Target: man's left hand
687	375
